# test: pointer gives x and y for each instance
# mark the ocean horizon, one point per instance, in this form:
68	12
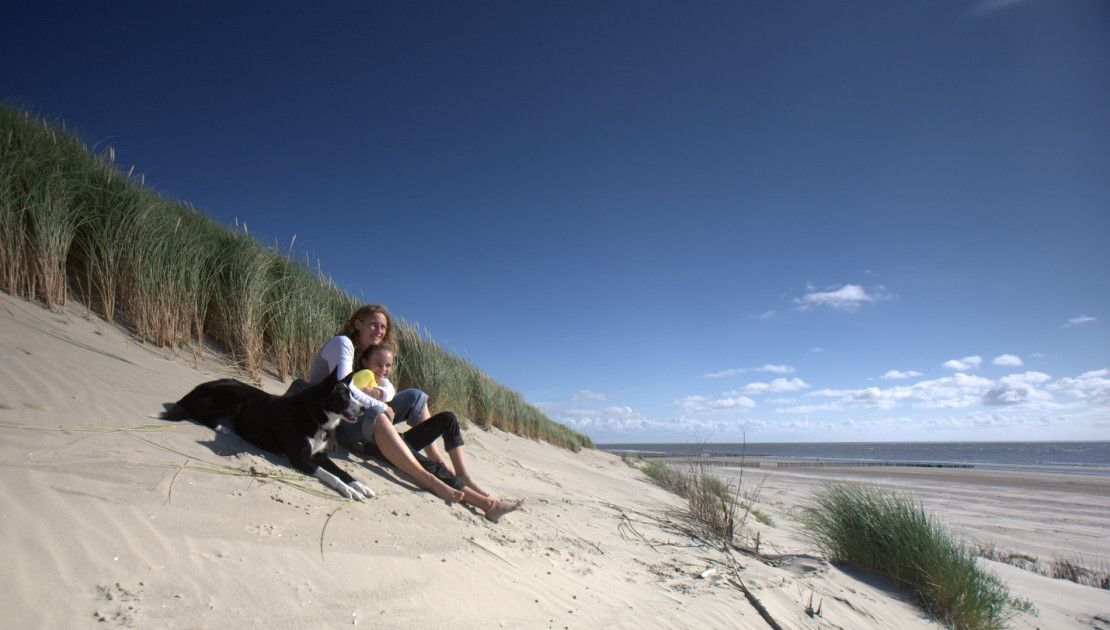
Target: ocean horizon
1076	454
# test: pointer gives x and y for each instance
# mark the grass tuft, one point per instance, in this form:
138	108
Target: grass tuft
888	534
710	500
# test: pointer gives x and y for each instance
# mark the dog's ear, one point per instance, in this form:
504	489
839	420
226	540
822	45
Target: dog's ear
347	379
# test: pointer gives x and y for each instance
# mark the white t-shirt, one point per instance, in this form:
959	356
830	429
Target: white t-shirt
388	390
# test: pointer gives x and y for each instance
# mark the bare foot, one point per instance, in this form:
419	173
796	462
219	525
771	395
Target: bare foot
473	486
501	508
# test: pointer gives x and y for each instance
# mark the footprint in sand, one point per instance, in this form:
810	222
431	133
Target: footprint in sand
121	604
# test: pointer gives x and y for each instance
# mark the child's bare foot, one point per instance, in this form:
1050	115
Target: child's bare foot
501	508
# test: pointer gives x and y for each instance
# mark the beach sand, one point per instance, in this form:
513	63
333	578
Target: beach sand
112	517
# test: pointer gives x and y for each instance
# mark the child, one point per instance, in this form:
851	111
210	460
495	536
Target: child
378	361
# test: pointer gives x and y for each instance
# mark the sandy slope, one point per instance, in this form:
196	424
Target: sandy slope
103	525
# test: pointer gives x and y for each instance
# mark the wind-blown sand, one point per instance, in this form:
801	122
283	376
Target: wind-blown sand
112	517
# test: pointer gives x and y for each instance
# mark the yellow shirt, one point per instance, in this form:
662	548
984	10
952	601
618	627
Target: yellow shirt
363	379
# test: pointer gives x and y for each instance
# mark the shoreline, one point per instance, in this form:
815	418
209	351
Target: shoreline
834	463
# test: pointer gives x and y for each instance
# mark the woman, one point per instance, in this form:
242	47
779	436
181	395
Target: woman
370	326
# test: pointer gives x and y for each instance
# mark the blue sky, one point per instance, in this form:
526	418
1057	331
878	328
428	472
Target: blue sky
794	221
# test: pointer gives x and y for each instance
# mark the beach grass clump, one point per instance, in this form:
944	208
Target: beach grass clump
888	534
72	221
710	501
1078	571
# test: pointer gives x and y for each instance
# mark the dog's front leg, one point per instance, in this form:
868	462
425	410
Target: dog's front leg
335	483
327	464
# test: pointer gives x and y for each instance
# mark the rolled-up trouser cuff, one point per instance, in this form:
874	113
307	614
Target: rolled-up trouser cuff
407	406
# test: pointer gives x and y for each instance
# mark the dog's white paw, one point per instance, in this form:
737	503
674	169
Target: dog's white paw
363	488
350	493
335	483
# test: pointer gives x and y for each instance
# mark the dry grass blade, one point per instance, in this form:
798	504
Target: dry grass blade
169	491
325	527
754	601
93	429
492	553
223	469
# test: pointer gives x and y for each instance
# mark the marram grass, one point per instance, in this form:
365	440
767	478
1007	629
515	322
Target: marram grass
710	500
887	533
72	223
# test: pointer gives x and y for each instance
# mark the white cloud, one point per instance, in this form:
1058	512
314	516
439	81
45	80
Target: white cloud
810	408
609	419
1011	360
766	367
1082	319
703	405
956	391
898	375
964	364
1026	378
816	349
1018	389
779	385
848	298
735	402
777	369
725	373
1093	387
767	315
586	396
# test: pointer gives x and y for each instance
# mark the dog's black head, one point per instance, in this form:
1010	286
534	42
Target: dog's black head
337	398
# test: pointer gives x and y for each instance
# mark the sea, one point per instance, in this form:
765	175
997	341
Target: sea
1087	458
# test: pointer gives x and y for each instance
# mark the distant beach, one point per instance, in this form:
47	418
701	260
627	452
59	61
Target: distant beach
1080	457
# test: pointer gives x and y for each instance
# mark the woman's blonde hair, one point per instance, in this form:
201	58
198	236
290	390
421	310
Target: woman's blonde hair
351	332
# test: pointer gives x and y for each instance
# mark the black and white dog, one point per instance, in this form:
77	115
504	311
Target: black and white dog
298	425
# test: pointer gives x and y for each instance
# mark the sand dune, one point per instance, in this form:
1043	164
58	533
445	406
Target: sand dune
112	517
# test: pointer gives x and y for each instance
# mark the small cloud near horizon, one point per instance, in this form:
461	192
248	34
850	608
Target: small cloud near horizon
703	405
766	367
1010	360
848	298
585	396
898	375
965	364
1082	319
778	385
